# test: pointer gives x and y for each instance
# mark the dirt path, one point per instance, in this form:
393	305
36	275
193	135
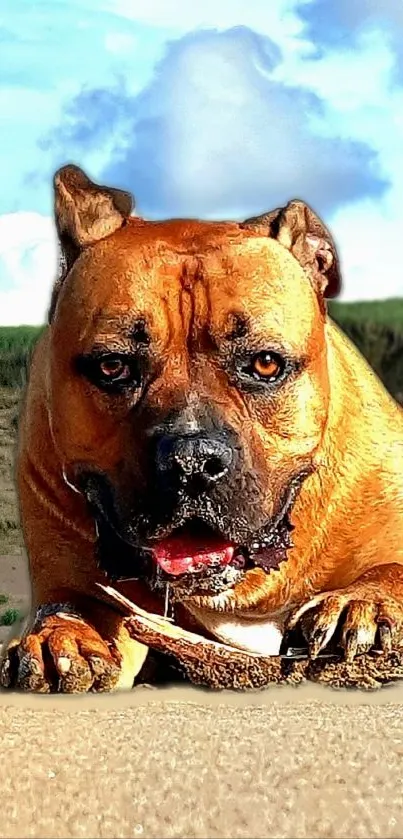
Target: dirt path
165	768
10	536
14	579
14	589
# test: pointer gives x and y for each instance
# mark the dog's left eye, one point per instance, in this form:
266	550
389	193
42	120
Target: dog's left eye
267	366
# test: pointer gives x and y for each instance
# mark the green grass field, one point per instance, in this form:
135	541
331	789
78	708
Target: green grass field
15	345
381	312
388	312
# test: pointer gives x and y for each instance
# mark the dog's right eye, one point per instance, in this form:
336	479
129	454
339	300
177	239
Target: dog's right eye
110	371
114	368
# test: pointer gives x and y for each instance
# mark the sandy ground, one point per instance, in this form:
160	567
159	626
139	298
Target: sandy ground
10	537
14	584
159	765
14	579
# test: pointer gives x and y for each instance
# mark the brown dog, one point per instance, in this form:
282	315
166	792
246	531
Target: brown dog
187	401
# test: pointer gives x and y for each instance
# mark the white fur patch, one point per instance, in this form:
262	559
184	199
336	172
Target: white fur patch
259	636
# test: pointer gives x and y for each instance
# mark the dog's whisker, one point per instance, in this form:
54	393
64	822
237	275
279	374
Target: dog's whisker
70	484
166	605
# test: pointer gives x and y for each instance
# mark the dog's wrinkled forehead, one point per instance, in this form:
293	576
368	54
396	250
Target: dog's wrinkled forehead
239	284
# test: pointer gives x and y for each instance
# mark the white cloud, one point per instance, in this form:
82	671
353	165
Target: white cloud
370	240
213	135
346	77
84	47
120	42
28	267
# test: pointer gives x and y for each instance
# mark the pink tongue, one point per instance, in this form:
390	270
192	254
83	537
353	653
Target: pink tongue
178	555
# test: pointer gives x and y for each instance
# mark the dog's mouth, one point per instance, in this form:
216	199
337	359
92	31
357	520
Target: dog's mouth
194	548
198	561
194	558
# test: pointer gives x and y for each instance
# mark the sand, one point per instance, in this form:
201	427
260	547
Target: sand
183	766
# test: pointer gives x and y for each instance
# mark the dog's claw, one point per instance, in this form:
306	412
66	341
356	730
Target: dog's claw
316	644
351	645
385	637
355	622
320	639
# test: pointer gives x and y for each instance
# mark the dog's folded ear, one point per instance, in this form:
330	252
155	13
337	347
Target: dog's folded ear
299	229
86	212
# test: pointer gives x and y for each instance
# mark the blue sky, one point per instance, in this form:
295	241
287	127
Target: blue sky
220	109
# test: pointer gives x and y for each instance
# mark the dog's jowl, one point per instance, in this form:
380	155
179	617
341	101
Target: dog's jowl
195	423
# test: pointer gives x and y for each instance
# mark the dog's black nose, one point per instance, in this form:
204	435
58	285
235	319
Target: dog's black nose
196	459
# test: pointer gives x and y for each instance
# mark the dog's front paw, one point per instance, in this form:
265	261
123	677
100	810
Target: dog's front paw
355	619
61	653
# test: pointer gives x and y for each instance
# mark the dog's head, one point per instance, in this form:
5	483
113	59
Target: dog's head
188	381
